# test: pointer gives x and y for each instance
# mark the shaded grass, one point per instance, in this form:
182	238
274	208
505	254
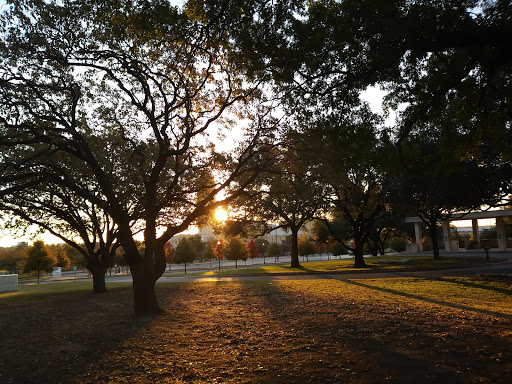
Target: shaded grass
346	265
38	292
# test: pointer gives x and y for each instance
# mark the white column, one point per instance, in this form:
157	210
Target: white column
417	232
446	233
476	232
500	228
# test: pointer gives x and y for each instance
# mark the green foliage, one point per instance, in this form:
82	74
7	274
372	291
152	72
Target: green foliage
274	250
185	252
13	258
236	250
209	250
487	233
262	246
40	259
197	245
306	247
398	244
59	251
336	248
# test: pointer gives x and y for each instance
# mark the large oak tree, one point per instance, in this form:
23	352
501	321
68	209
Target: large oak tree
149	81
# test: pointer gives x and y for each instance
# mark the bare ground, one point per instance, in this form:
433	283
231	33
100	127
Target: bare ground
251	332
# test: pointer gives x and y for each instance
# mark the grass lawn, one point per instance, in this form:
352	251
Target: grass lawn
47	291
397	330
346	265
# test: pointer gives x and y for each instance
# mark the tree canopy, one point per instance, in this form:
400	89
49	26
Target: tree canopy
110	112
130	91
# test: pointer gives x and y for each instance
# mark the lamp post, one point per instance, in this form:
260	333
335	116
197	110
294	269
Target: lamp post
218	245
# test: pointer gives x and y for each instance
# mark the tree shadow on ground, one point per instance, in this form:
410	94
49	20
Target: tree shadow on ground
505	291
372	343
57	336
430	300
266	332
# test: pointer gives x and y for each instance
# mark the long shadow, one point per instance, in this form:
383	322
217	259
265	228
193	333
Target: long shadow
349	346
505	291
429	300
60	336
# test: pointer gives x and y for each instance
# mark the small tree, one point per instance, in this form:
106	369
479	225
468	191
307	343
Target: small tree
197	245
236	250
170	251
253	249
219	251
40	259
209	251
274	250
335	248
185	253
306	247
13	258
63	260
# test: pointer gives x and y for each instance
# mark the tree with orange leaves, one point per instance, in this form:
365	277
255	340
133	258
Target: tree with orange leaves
253	249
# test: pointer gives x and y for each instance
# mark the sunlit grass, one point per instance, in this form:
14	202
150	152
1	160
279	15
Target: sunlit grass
374	263
447	293
463	292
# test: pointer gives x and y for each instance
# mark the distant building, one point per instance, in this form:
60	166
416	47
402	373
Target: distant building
275	236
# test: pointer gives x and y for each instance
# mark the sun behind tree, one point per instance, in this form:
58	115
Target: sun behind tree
221	215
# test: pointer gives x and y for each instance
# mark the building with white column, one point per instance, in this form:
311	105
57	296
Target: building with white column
450	245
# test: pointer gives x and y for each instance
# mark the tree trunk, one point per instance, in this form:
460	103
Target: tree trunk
145	274
382	247
295	249
358	253
435	242
98	277
144	296
375	249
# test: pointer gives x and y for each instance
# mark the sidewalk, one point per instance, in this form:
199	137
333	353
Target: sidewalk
462	252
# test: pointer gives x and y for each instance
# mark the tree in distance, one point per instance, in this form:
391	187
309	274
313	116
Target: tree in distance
63	260
274	250
287	196
219	250
306	247
170	252
262	248
14	258
185	253
253	249
236	250
39	259
209	251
